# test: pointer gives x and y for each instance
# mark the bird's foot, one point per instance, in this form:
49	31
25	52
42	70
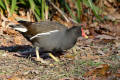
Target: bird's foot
42	61
53	57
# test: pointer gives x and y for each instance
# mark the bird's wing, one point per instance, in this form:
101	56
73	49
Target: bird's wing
44	34
43	27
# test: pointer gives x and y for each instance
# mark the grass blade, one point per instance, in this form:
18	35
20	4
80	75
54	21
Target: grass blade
2	4
7	6
42	9
46	11
79	10
13	6
69	9
95	9
32	5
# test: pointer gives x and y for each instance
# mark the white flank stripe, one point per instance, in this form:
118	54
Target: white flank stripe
21	29
43	34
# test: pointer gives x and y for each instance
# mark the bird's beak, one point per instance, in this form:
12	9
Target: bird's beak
83	34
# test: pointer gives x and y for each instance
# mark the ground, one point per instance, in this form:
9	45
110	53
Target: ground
96	58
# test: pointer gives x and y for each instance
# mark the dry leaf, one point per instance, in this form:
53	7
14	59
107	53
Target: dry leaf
101	70
16	78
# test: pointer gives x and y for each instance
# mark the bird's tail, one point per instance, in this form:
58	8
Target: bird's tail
19	27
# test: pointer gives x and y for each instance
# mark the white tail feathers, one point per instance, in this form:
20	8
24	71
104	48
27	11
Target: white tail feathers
20	28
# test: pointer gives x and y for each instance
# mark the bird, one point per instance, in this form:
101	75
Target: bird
49	36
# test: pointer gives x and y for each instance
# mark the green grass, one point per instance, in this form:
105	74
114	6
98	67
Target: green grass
40	8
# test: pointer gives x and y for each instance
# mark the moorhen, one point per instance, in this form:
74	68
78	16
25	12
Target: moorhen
49	36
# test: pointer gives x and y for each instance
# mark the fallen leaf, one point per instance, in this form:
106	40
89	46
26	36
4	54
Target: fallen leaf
104	37
15	78
101	70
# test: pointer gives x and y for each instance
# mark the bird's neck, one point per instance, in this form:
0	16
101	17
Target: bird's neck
72	34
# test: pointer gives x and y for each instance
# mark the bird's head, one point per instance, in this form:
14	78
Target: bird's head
83	33
78	31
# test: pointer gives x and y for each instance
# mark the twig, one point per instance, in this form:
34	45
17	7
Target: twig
73	20
62	13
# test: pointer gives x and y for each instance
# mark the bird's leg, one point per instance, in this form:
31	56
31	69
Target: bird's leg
74	49
38	56
53	57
